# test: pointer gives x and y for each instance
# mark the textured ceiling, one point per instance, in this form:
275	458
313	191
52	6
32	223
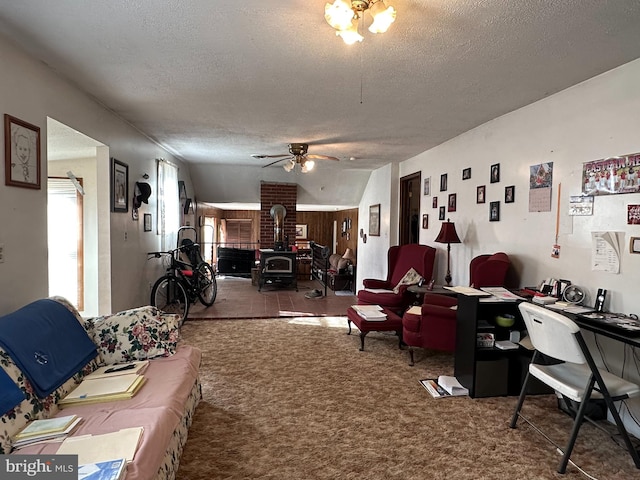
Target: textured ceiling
215	81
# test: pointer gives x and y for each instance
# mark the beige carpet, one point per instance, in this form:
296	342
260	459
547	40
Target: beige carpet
287	399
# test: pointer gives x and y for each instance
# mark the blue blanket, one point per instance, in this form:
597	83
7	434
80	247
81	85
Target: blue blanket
47	343
10	393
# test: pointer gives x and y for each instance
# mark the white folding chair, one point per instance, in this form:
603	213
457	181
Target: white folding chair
576	377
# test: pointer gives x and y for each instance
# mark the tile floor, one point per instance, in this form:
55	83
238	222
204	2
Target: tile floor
237	298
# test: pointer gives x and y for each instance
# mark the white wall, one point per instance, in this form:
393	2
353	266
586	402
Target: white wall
596	119
31	91
372	255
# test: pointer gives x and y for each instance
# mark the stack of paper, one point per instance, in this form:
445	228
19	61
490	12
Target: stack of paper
46	430
546	300
372	313
119	369
105	447
452	385
502	294
103	389
470	291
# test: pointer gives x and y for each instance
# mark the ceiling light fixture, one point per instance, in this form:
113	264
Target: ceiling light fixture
305	165
344	16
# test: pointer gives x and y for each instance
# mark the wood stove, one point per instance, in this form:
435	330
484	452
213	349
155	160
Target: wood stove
277	267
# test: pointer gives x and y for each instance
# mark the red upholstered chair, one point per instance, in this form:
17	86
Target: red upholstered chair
434	328
489	270
400	259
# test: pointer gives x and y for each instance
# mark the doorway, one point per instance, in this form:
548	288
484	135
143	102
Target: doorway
410	208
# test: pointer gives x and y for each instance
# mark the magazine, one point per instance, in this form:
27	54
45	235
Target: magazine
436	391
109	470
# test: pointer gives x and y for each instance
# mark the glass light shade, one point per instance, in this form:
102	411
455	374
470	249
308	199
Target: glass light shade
382	17
289	165
307	166
338	14
351	35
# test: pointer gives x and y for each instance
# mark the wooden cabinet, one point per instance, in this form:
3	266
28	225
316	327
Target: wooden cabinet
488	372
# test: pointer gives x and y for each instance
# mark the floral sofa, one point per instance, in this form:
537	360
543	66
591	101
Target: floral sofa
164	406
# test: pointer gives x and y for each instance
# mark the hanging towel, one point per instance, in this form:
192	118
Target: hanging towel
10	394
47	343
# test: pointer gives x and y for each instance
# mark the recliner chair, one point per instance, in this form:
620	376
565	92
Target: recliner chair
400	259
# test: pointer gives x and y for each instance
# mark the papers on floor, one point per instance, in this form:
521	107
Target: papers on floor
105	447
444	386
119	369
109	470
470	291
372	313
46	430
104	389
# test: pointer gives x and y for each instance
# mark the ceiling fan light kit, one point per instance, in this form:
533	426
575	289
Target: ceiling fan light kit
297	156
344	16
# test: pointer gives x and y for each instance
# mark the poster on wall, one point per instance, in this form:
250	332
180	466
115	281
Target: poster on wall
540	181
612	175
605	251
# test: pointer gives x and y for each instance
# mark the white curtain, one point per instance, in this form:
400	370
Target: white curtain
168	204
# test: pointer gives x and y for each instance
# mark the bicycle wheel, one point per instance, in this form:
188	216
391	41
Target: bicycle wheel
169	295
207	287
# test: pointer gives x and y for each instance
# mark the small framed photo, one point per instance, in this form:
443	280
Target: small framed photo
443	182
510	194
434	202
147	222
21	153
634	245
495	173
480	194
466	173
451	204
633	214
374	220
427	186
494	211
441	214
301	232
119	186
425	221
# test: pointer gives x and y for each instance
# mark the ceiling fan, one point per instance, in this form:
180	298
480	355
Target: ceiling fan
297	156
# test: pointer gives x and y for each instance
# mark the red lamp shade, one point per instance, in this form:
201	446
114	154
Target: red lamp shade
448	233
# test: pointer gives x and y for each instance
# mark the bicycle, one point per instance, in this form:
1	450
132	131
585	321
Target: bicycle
183	284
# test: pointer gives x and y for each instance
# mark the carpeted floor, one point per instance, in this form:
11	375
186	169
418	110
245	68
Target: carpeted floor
295	399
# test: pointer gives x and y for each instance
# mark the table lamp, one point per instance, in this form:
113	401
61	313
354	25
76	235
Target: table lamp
349	256
448	235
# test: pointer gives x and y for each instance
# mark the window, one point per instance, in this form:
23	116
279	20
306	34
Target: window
168	204
238	233
66	266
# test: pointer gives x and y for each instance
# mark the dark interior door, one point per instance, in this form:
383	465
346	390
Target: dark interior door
410	208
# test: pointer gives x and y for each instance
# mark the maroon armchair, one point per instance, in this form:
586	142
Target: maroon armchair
489	270
400	259
434	328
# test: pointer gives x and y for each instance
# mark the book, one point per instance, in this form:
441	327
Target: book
101	448
104	389
436	391
107	470
370	312
452	386
119	369
47	435
46	426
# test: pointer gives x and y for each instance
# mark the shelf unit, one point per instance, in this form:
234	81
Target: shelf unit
488	372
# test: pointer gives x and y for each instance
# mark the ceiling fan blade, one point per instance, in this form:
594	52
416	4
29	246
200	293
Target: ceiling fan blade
321	157
280	160
257	155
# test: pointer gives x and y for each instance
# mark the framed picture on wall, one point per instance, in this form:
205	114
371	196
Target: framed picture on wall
494	211
374	220
427	186
434	202
119	186
495	173
466	173
425	220
443	182
21	153
451	205
301	232
510	194
441	214
480	194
